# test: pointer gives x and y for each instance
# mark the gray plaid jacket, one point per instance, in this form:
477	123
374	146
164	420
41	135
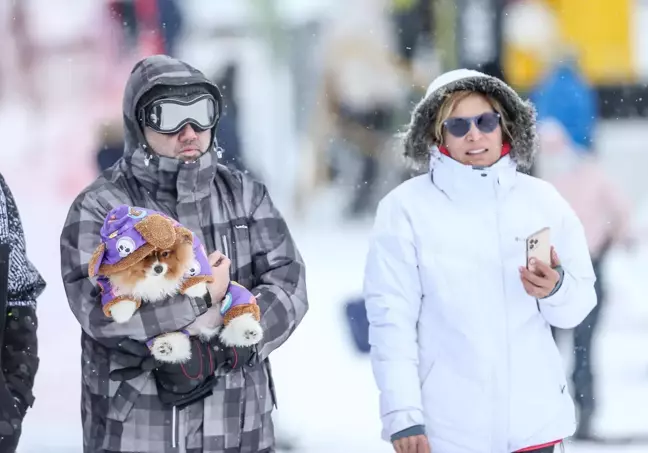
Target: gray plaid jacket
230	213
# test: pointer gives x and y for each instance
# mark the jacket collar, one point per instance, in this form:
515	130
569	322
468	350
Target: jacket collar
459	181
168	179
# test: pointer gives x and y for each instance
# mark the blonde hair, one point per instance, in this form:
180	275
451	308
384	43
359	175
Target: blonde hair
451	102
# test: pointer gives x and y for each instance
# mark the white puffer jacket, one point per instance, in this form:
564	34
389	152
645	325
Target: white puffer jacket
457	344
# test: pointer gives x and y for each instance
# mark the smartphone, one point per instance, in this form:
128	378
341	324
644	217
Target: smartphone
538	246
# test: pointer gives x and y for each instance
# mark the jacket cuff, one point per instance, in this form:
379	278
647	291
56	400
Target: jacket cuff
561	272
415	430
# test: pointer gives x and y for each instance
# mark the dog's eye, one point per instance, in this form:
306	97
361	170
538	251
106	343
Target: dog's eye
165	254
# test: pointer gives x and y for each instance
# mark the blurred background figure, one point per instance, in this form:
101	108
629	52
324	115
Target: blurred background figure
111	145
363	90
147	26
228	127
314	94
604	212
565	95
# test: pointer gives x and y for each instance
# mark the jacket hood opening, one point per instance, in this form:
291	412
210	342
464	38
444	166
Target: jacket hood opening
151	72
418	139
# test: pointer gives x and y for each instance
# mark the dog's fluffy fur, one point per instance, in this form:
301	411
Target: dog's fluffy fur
161	274
172	347
243	330
158	276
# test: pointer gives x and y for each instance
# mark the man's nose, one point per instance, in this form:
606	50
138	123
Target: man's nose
187	134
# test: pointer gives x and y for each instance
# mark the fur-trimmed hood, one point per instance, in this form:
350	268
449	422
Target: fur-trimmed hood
418	140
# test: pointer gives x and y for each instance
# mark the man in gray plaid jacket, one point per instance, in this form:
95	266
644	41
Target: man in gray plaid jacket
170	164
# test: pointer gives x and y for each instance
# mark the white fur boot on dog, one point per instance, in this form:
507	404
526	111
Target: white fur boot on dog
173	347
123	311
243	330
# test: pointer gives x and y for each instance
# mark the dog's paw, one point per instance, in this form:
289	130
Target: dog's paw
243	330
123	310
197	290
174	347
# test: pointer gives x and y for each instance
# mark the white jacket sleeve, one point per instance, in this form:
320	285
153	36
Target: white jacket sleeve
575	298
392	291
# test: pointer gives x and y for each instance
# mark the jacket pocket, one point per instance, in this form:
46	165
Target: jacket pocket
122	401
234	243
136	403
454	405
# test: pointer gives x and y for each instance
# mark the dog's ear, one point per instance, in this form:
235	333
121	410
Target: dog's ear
95	260
157	231
183	235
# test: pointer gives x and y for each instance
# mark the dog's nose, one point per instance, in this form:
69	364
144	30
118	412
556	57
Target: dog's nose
158	269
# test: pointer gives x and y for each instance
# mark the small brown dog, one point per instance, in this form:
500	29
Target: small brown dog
146	256
159	274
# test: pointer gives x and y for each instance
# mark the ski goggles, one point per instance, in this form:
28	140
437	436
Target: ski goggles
170	115
459	126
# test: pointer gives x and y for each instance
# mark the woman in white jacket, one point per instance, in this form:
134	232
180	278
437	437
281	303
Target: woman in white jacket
460	329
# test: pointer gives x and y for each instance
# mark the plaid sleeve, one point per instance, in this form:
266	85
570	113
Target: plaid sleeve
79	239
280	270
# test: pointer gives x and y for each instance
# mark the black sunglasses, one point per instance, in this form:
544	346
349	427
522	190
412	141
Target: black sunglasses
486	122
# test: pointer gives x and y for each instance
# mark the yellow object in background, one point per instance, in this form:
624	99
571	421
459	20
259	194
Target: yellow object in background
599	30
521	67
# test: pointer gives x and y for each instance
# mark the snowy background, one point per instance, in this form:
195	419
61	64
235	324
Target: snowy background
326	393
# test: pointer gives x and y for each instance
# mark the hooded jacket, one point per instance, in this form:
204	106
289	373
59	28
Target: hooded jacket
228	212
458	348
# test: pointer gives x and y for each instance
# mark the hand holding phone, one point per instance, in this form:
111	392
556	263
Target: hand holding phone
539	277
538	246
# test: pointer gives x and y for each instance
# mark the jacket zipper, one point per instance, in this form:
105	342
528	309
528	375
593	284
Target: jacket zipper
501	257
225	246
182	427
174	427
226	252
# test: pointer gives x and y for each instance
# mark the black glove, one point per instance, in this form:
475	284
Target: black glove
182	384
234	357
178	384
